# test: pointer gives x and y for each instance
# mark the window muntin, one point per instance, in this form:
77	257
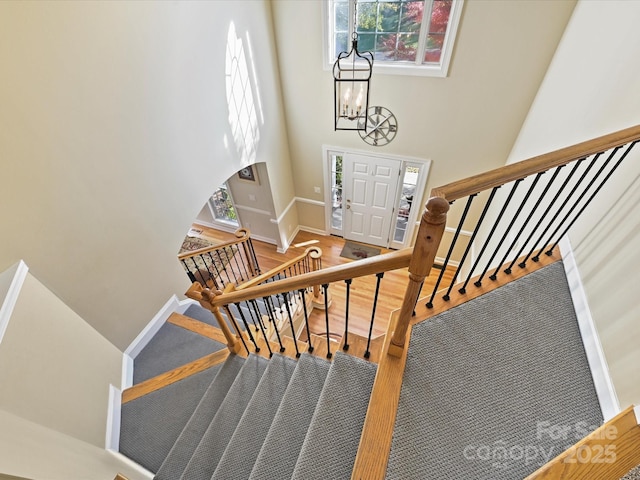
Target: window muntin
405	36
222	207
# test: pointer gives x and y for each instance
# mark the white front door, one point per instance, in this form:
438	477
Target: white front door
370	191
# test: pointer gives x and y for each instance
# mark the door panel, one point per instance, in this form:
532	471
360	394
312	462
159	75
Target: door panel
370	188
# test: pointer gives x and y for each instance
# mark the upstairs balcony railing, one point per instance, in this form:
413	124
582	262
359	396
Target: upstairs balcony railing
521	212
303	286
216	266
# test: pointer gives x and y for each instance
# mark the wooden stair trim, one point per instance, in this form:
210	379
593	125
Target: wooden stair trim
440	305
196	326
319	344
172	376
375	443
613	450
514	171
377	432
358	347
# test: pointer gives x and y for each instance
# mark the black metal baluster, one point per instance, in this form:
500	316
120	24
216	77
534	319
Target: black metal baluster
293	331
429	304
252	313
526	222
271	311
473	236
555	202
306	319
217	276
224	268
190	274
506	232
367	353
246	326
195	265
579	198
345	347
258	313
325	288
478	283
615	167
264	333
244	272
563	204
235	325
494	275
413	314
204	261
253	255
231	267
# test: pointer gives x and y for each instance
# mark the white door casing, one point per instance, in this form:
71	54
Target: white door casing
370	190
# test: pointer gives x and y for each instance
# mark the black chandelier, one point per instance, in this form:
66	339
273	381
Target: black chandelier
352	74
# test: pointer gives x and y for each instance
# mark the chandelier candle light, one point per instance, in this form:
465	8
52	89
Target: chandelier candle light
352	74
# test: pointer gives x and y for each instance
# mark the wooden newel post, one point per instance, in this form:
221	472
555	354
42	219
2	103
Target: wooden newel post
430	232
315	254
244	234
206	297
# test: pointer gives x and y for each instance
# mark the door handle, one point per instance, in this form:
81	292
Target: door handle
348	207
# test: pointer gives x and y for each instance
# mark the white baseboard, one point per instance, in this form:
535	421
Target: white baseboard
289	241
127	372
152	327
313	230
595	355
9	302
131	464
114	409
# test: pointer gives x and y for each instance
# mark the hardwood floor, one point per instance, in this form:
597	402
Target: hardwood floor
392	285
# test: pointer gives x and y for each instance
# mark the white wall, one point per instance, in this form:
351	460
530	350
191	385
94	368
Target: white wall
114	131
29	450
466	123
56	369
591	89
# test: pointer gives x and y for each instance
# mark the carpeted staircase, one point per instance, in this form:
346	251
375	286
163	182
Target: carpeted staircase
256	418
481	377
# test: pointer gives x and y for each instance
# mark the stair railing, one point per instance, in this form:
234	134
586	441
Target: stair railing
218	265
556	188
543	198
214	300
270	315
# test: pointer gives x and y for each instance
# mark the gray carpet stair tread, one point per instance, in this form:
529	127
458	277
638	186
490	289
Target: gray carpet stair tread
170	348
197	312
243	448
144	438
277	459
186	444
330	447
488	376
214	441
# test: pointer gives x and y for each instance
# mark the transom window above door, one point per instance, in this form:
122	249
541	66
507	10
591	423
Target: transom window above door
411	37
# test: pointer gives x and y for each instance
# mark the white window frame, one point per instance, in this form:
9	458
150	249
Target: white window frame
440	69
225	225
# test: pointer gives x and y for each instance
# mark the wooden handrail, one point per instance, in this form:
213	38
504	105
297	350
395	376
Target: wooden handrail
313	252
608	452
360	268
430	233
242	235
508	173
